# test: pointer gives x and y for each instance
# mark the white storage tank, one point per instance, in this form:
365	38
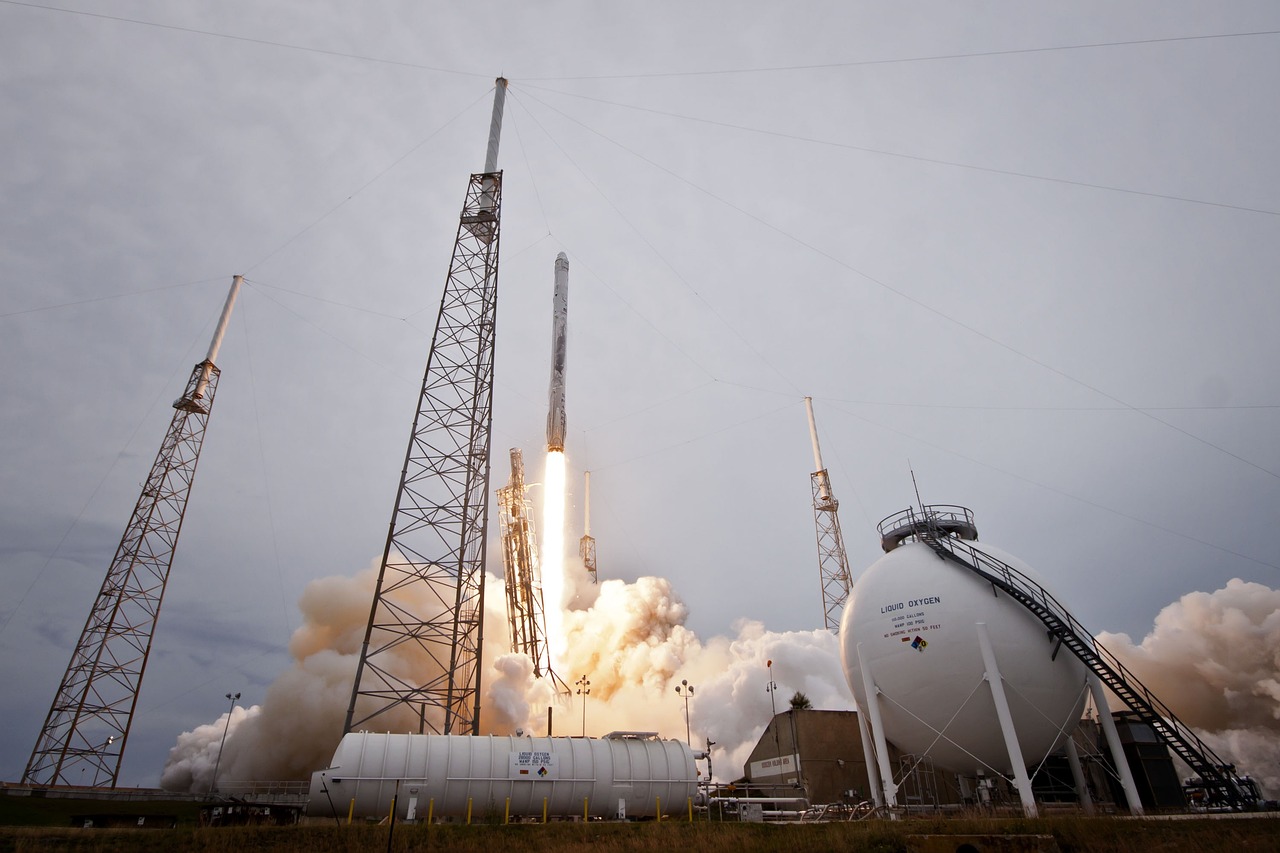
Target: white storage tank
622	774
913	616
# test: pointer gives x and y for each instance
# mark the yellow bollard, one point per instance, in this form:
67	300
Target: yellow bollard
351	810
506	815
544	809
468	811
584	809
658	800
691	810
431	808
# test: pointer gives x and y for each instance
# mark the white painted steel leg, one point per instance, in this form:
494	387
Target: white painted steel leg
1006	722
877	730
1077	776
1113	744
873	777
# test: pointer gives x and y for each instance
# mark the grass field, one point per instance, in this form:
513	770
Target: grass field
1072	835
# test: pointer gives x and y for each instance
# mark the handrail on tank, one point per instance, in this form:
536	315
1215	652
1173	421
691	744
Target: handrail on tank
912	523
1031	588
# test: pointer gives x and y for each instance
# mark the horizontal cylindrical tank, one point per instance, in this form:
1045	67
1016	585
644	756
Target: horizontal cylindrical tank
913	616
456	775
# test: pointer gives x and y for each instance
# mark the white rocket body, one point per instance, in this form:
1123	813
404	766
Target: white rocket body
559	334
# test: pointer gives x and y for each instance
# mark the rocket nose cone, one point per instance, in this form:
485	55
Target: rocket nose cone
562	260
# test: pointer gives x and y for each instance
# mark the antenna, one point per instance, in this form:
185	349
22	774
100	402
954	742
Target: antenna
916	487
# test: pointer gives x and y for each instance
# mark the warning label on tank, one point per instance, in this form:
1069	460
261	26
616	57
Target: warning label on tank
909	619
533	765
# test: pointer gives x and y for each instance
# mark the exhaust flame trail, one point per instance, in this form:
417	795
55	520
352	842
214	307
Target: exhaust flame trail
553	568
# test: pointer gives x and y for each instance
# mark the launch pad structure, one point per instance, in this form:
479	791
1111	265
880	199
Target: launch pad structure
429	598
83	738
526	616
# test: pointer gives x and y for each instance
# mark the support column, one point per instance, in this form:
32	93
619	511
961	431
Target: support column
1077	776
1114	745
1006	722
873	777
877	730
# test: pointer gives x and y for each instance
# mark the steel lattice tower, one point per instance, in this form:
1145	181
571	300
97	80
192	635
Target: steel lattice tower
420	660
587	544
525	613
88	723
833	564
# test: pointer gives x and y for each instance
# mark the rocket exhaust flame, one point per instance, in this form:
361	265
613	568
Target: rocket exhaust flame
553	566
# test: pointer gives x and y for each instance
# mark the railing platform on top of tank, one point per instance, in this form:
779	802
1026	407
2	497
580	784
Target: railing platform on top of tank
941	518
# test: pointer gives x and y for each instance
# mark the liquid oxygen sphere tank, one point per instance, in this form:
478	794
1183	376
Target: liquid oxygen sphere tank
911	619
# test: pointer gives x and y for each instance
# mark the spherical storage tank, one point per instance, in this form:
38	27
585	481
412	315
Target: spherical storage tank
624	774
912	617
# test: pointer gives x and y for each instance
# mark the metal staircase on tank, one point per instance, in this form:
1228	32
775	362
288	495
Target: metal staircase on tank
948	530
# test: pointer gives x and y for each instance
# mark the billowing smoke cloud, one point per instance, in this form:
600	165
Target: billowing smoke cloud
1214	658
298	725
628	639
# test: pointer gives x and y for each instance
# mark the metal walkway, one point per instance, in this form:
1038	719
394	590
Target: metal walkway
939	527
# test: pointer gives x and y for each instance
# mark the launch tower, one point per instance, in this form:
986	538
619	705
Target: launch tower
520	563
833	565
429	598
84	735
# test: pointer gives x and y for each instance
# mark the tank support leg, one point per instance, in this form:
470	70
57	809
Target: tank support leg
1113	744
1077	776
877	729
1006	723
873	777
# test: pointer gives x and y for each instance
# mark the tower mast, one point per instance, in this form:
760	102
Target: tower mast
420	661
587	544
85	733
833	565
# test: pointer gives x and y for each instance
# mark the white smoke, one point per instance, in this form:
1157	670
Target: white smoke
628	639
1214	658
299	723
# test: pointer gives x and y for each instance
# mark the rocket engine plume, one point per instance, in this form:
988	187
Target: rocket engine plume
553	565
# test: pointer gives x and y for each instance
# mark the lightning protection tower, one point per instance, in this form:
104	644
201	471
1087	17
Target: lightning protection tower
420	659
587	544
833	565
525	614
84	735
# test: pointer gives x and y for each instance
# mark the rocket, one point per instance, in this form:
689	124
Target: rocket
559	332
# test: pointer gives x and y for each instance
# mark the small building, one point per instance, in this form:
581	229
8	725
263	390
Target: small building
817	755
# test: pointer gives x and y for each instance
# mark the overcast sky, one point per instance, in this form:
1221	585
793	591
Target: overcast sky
1027	251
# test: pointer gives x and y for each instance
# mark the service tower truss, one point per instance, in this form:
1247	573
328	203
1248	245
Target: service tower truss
84	735
420	661
833	565
525	614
